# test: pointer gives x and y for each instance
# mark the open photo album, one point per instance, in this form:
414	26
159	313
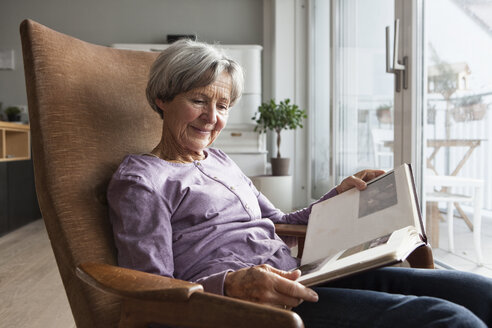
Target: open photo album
360	230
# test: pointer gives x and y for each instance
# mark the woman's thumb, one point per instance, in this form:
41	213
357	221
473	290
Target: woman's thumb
291	275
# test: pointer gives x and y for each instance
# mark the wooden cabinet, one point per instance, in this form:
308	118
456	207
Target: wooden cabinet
18	201
15	142
4	217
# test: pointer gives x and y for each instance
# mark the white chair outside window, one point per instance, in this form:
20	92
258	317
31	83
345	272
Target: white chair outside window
438	188
383	148
445	194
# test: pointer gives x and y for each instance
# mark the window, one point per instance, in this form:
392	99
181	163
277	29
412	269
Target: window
439	123
353	95
457	131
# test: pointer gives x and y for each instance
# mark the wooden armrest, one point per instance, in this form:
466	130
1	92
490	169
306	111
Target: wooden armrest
294	230
135	284
149	298
422	258
208	310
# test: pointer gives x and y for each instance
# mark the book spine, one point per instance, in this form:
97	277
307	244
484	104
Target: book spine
414	191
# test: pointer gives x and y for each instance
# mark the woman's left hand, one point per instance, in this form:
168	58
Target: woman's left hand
358	180
267	285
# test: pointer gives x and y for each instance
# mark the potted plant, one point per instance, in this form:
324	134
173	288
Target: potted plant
13	113
383	113
278	117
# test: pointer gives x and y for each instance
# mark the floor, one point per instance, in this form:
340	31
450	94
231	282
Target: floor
32	294
31	291
465	256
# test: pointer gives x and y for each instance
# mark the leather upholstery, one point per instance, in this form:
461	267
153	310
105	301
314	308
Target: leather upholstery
87	109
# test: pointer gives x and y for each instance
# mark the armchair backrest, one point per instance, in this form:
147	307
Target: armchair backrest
87	109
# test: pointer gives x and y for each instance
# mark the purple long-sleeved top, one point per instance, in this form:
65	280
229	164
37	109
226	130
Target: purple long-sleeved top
195	221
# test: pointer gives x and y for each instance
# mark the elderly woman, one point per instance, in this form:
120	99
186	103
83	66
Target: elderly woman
185	210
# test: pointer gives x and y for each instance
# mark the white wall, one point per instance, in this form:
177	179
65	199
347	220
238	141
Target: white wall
285	76
125	21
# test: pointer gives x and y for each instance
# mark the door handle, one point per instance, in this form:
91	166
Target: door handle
399	68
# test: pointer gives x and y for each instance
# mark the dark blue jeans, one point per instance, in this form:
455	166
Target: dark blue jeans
402	297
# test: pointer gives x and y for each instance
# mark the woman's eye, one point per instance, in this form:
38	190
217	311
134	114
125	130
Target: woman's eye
198	101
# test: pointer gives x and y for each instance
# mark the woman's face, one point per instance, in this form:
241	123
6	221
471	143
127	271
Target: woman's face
195	118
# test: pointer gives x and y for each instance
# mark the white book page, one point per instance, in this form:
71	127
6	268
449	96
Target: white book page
391	246
353	217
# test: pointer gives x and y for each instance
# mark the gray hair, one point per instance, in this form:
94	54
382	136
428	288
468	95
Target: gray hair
187	65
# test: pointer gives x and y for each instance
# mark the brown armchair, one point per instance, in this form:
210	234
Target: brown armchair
88	109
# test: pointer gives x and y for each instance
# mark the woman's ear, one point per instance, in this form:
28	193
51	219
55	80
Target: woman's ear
159	103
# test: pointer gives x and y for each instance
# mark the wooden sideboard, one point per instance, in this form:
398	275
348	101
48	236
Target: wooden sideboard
15	142
18	201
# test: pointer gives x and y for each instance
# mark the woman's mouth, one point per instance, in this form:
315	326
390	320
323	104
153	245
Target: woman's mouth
201	130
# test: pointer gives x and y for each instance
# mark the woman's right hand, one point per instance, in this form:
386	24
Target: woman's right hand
267	285
358	180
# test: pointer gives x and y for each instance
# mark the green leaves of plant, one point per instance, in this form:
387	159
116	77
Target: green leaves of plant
277	117
12	110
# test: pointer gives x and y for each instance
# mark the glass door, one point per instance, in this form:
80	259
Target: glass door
457	128
439	121
362	111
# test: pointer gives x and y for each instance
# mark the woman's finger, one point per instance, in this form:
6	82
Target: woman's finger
369	174
358	180
291	275
295	290
359	183
286	301
350	182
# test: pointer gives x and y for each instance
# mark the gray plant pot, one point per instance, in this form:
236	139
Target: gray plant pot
13	117
280	166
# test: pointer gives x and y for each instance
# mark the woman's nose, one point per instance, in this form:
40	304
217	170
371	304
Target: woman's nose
210	114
